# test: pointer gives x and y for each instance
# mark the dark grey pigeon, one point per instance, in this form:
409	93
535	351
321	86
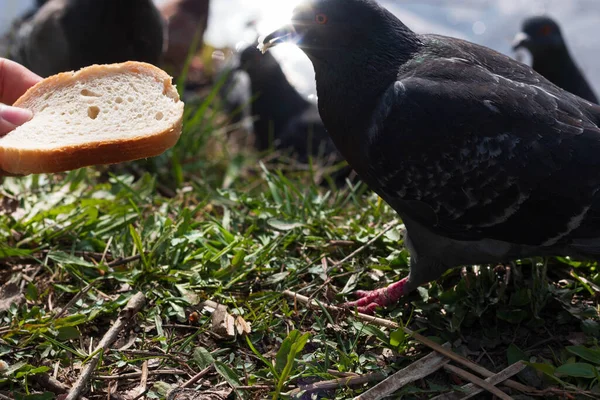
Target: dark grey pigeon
551	57
236	94
483	158
64	35
283	119
8	40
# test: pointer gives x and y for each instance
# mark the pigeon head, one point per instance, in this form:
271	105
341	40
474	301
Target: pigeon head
539	35
327	30
257	65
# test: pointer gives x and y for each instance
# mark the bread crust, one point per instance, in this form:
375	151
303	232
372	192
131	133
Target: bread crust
66	158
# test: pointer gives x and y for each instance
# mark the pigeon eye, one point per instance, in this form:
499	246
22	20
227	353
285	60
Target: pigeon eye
321	19
546	30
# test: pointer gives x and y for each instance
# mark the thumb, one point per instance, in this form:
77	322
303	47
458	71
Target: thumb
11	117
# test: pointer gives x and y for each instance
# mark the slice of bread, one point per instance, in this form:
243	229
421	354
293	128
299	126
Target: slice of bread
102	114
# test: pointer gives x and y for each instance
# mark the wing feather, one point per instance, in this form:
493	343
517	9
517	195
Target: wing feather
477	155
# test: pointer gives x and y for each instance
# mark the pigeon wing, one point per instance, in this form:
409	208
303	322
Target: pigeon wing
475	155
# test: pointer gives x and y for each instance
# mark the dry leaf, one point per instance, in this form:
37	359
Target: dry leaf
10	294
223	322
242	327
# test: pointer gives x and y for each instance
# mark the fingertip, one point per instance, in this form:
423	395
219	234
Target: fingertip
15	115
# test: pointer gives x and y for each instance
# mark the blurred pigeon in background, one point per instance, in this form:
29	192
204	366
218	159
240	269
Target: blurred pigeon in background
64	35
284	119
236	93
258	95
551	57
186	20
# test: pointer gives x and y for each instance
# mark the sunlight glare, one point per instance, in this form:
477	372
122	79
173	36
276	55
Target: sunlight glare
276	14
295	65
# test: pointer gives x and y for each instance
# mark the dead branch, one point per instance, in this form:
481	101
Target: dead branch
470	390
417	370
197	377
142	388
134	305
477	381
420	338
339	383
137	375
117	262
75	299
370	242
48	382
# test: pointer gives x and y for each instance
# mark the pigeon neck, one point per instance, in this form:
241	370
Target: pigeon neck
350	87
194	7
274	83
276	103
552	62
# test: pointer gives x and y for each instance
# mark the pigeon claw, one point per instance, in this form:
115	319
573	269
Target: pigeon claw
370	300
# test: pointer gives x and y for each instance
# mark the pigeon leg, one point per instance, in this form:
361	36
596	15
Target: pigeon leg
420	272
369	300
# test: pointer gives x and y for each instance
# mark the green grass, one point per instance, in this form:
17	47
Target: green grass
208	222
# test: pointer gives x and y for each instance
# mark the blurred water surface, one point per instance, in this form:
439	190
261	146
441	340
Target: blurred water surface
492	23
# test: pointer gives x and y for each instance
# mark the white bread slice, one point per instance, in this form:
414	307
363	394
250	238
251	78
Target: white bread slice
102	114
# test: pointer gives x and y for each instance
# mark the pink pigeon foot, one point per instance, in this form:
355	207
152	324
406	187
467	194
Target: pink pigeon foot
370	300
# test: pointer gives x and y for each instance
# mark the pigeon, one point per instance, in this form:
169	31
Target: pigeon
283	119
8	40
483	159
236	94
186	22
65	35
542	37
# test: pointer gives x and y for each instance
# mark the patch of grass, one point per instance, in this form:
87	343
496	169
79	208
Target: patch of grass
205	222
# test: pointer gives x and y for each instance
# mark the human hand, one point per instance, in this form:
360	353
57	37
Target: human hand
15	79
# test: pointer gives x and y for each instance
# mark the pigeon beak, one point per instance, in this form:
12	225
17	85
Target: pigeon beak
281	35
521	40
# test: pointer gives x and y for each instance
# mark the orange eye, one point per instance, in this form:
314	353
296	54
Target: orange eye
546	30
321	19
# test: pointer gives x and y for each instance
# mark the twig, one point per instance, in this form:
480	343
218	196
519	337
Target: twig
3	397
477	381
142	388
142	353
255	387
417	370
106	249
339	243
48	382
420	338
134	305
197	377
583	279
317	305
181	326
472	366
123	261
75	298
470	390
342	374
370	242
136	375
339	383
144	379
